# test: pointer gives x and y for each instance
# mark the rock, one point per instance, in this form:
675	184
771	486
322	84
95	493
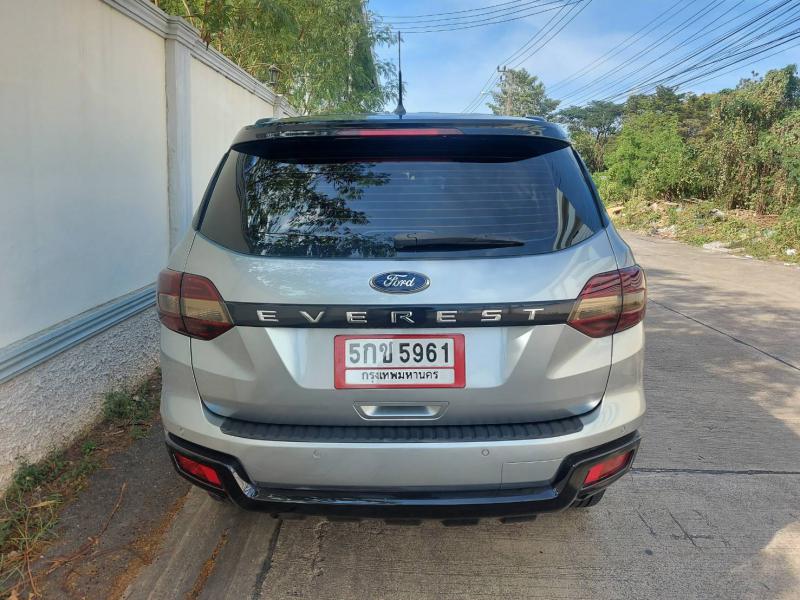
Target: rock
669	231
615	210
717	214
717	246
790	252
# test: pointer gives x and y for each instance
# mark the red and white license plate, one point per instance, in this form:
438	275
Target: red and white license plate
398	361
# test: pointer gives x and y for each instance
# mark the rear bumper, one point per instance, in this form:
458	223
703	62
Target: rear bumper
556	495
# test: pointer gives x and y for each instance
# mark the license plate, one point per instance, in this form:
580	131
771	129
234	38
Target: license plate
398	361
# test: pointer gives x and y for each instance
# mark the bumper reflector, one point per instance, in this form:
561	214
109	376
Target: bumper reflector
198	470
607	468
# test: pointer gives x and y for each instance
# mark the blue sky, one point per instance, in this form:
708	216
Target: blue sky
444	71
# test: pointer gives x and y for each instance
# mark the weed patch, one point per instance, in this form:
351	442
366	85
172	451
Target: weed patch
30	507
739	231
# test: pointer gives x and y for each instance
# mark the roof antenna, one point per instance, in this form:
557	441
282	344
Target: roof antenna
400	110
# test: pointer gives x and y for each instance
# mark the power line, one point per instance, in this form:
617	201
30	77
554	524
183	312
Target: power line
727	36
455	12
483	12
733	43
543	43
483	22
474	104
738	68
537	38
685	24
766	47
729	59
633	38
728	51
476	100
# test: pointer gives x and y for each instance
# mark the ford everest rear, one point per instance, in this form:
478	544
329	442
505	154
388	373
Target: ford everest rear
426	317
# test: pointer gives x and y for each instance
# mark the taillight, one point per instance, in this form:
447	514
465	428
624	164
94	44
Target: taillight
634	297
168	299
191	305
607	468
198	470
610	303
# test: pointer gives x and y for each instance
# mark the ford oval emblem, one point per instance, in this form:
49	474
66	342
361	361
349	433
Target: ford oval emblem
400	282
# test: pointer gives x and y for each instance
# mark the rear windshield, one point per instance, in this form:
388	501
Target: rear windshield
433	198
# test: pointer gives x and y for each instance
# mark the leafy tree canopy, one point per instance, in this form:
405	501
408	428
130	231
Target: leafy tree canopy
591	127
600	118
323	49
737	147
521	94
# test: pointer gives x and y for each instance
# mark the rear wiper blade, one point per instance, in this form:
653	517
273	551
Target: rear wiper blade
414	242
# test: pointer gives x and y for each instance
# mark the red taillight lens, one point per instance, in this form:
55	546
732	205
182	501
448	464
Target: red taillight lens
634	297
203	309
610	302
168	299
199	470
410	131
596	312
607	468
191	305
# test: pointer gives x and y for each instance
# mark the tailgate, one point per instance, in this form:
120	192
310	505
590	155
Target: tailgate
514	369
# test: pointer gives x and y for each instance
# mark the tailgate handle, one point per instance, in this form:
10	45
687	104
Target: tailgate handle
400	410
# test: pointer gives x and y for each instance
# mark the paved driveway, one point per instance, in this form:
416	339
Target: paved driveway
711	509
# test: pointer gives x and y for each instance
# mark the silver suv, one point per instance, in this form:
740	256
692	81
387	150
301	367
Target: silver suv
418	317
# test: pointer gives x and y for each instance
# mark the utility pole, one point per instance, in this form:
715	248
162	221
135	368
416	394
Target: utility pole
506	89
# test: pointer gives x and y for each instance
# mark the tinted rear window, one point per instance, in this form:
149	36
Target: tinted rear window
368	200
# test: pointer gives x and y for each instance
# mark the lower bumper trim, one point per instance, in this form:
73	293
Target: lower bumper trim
404	504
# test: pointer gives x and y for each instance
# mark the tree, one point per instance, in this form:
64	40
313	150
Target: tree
752	137
322	50
649	155
521	94
664	100
591	127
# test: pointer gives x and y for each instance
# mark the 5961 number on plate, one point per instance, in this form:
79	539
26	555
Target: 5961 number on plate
399	361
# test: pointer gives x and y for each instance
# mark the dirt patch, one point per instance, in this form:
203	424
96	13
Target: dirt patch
120	544
85	520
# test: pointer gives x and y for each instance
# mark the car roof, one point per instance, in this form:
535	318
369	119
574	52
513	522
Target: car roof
467	123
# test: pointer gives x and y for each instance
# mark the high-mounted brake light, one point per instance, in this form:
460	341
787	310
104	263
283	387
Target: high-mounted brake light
607	468
191	305
410	131
198	470
610	302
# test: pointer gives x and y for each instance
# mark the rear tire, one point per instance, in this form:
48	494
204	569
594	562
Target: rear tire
589	501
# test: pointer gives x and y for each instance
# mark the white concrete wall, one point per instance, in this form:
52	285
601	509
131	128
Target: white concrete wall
44	408
216	116
113	116
83	165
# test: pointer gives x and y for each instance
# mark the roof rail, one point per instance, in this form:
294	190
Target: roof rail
535	118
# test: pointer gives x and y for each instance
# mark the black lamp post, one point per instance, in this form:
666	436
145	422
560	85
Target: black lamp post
274	71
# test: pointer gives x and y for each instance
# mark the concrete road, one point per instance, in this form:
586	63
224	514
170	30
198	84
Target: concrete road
711	509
